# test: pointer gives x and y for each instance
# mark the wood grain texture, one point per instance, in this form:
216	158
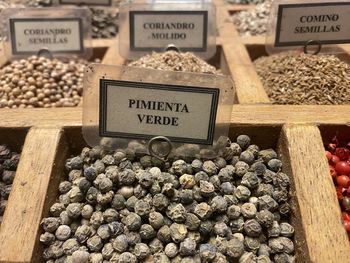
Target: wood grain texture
21	223
97	43
112	56
253	40
324	233
224	23
249	88
241	114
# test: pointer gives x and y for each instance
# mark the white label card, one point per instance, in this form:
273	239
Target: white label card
86	2
138	110
57	35
327	23
155	30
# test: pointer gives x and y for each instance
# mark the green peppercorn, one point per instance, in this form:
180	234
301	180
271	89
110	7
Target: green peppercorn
94	243
286	230
133	222
133	238
155	246
141	251
164	234
187	247
147	232
142	208
127	257
156	220
171	250
235	248
82	233
120	243
252	228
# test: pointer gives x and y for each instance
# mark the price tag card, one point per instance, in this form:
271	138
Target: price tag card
127	103
154	27
296	24
84	2
58	32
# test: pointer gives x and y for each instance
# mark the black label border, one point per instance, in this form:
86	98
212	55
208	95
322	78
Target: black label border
103	132
180	12
12	22
278	43
61	2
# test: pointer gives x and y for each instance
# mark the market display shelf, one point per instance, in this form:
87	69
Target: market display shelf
46	137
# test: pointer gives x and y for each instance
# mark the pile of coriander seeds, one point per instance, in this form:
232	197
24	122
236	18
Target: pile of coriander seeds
300	79
126	207
41	82
8	166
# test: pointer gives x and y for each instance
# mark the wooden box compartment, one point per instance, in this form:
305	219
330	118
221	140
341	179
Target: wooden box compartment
255	48
14	139
60	144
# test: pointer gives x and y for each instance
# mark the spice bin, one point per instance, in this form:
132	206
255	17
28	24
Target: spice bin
297	132
49	142
68	76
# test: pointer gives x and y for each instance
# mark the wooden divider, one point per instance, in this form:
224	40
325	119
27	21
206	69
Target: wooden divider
21	222
249	88
241	114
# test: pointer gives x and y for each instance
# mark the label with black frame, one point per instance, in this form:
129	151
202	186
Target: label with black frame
57	35
86	2
323	22
154	30
139	110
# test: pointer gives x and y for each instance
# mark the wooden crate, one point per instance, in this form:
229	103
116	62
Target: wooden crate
48	136
55	134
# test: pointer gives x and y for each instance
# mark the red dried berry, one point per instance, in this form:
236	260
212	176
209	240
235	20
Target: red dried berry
342	153
346	216
347	225
343	181
343	167
334	160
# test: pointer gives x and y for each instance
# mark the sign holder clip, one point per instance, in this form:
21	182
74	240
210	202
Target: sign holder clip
45	52
313	42
158	155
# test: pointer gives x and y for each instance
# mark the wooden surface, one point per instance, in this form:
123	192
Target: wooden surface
21	222
325	235
112	56
249	88
320	236
241	114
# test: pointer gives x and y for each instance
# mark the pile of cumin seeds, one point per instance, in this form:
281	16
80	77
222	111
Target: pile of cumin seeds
305	79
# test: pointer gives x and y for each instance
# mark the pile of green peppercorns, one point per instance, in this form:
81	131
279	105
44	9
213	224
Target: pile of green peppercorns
8	165
125	206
